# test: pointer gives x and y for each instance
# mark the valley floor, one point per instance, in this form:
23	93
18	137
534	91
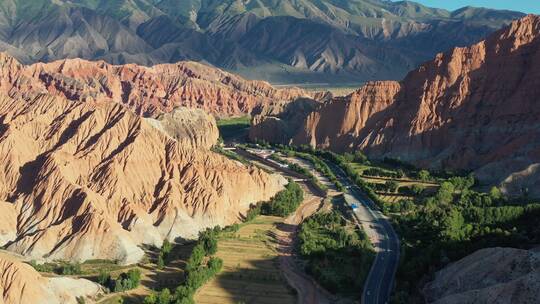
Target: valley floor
259	264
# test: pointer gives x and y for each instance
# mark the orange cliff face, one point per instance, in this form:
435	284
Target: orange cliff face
148	91
90	180
473	108
22	284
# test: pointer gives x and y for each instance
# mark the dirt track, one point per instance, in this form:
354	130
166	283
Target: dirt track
307	288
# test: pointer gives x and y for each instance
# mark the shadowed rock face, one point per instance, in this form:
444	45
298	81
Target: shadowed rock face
148	91
470	108
21	284
283	41
493	275
87	180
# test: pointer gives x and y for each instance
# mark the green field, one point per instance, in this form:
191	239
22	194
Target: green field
405	181
233	127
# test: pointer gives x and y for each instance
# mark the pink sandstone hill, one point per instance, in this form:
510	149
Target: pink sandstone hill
86	180
493	275
21	284
148	91
473	108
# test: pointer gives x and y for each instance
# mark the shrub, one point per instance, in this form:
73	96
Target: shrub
160	262
103	277
70	269
391	186
164	297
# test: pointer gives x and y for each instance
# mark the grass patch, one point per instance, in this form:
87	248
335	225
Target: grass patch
231	127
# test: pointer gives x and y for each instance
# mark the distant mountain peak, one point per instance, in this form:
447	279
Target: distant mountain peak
337	41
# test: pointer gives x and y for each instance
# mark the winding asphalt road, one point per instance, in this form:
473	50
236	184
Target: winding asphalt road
380	281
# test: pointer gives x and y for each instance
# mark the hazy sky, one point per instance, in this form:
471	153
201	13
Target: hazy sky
526	6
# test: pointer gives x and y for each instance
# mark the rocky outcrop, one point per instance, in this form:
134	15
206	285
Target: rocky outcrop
493	275
21	284
148	91
85	180
189	127
472	108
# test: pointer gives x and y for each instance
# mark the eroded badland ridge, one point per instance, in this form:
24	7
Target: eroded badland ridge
472	108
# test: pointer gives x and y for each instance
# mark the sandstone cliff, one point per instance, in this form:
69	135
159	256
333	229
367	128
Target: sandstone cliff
85	180
473	108
21	284
148	91
493	275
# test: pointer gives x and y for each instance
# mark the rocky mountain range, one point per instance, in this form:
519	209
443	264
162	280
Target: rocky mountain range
471	108
148	91
278	40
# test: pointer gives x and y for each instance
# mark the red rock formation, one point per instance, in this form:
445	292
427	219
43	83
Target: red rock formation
492	275
148	91
21	284
470	108
85	180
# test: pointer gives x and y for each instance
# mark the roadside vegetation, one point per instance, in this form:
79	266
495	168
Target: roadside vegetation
300	170
440	216
453	223
337	253
317	163
282	204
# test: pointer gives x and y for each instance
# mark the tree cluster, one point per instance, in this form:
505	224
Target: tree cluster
282	204
338	257
125	281
61	268
455	222
201	266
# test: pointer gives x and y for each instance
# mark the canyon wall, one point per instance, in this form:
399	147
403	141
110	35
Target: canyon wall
148	91
21	284
86	180
472	108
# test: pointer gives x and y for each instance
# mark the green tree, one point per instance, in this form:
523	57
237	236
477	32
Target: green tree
160	262
445	192
166	248
424	175
453	225
209	240
359	157
164	297
392	185
196	258
134	277
150	299
495	193
103	277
